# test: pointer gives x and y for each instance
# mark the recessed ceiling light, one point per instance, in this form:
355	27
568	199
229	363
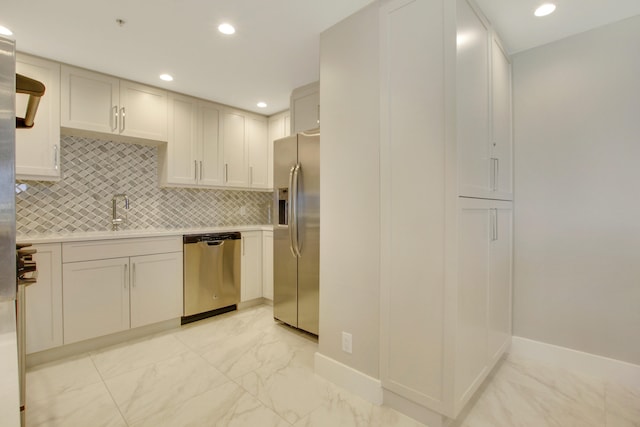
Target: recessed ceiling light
5	31
226	29
262	104
545	9
166	77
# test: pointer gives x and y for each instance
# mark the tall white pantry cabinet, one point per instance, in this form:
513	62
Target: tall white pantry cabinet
446	203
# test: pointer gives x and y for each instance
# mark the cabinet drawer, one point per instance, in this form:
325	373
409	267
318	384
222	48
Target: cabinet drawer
104	249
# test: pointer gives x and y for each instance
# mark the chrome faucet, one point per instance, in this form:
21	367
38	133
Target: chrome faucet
116	220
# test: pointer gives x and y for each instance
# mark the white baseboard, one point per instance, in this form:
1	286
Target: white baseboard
574	360
352	380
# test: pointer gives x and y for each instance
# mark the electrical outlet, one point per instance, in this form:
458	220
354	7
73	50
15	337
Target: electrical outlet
347	342
243	210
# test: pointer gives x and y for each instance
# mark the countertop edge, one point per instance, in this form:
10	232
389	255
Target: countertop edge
132	234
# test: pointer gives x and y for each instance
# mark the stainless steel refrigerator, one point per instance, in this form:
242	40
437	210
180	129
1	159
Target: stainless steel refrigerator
7	171
296	237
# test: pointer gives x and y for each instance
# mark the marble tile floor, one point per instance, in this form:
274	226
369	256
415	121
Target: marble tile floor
243	369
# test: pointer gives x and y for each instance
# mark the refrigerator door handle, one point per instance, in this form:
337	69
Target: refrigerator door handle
290	213
296	180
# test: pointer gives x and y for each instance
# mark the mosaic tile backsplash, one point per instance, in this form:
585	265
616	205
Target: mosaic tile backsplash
94	171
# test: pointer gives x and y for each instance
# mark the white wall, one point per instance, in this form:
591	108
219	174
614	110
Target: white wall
350	187
577	177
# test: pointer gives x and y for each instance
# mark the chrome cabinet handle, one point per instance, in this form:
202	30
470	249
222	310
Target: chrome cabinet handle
200	170
226	172
195	170
122	122
56	161
250	175
114	119
494	174
126	275
494	224
133	275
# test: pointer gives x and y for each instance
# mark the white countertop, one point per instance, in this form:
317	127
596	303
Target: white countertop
130	234
9	392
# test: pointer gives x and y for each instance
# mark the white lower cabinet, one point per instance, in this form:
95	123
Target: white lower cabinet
267	265
251	282
43	312
96	298
154	295
104	295
484	290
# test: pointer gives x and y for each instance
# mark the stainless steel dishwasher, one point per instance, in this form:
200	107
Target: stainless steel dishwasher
211	274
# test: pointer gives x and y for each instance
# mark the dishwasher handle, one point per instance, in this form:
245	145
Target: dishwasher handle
215	242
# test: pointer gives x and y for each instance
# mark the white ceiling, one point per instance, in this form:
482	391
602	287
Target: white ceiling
521	30
274	50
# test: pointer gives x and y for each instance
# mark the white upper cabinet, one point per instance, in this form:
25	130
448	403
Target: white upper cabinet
143	111
305	108
193	154
501	141
258	143
483	117
38	148
90	101
210	148
234	131
99	103
213	146
179	159
279	127
472	85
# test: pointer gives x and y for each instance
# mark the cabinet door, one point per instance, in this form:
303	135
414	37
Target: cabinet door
89	101
251	282
143	111
279	127
305	108
44	300
258	152
473	277
267	264
38	148
182	145
472	102
484	290
95	298
156	288
500	282
502	145
235	153
211	166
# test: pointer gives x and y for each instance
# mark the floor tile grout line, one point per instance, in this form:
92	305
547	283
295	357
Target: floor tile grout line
165	358
104	383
